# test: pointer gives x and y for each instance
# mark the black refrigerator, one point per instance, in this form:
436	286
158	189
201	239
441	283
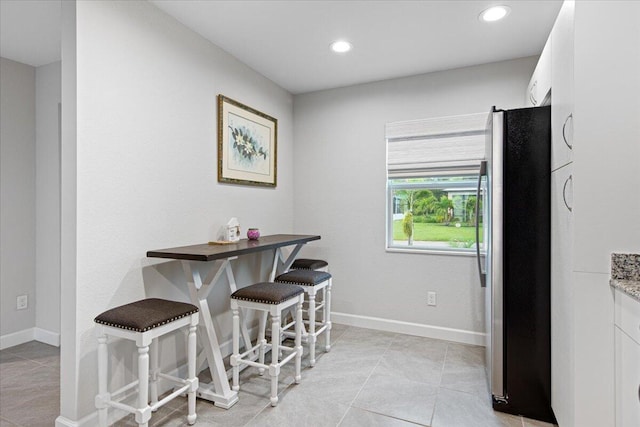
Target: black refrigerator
514	260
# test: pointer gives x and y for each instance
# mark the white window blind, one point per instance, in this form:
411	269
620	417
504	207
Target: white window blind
426	146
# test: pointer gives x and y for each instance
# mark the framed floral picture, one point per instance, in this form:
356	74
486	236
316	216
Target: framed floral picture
247	144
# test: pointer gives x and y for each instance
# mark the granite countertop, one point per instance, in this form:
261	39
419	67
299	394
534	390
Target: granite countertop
625	274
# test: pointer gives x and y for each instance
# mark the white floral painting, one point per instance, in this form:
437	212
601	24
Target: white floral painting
247	143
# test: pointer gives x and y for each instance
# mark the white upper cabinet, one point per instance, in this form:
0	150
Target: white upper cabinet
552	80
540	83
562	87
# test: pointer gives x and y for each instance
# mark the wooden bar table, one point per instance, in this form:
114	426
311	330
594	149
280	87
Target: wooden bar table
219	391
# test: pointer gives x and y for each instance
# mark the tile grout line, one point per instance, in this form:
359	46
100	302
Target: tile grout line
389	416
392	417
368	377
435	404
470	393
256	415
18	355
170	414
444	362
12	422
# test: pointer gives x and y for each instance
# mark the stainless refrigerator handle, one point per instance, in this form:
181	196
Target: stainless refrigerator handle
564	193
483	171
564	135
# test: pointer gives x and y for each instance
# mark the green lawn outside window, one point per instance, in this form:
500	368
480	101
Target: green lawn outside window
463	236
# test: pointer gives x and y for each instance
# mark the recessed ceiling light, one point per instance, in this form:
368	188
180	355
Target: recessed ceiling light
494	13
341	46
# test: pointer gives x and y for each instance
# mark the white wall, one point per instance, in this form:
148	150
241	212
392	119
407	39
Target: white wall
17	201
47	225
340	193
30	202
146	170
69	342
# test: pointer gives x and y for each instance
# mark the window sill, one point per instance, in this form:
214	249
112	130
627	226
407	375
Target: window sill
431	252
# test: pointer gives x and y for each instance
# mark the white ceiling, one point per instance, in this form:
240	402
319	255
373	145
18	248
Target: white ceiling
30	31
288	41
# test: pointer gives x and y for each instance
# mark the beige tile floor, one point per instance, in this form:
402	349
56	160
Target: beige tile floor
370	378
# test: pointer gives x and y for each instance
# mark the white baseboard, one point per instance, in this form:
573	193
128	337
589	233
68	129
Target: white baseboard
30	334
88	421
16	338
47	337
400	327
65	422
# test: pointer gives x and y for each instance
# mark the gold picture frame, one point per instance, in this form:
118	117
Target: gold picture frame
247	145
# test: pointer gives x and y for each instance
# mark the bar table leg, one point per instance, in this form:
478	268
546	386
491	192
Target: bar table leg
218	391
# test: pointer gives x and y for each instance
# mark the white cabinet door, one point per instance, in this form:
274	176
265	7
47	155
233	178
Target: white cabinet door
562	298
562	84
627	380
627	360
539	86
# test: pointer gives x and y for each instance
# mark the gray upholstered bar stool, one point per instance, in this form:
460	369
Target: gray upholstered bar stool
310	264
144	322
312	281
271	298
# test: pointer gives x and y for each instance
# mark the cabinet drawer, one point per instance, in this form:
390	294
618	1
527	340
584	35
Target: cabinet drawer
627	315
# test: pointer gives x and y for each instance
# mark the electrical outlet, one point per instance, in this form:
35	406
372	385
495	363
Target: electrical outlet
431	298
22	302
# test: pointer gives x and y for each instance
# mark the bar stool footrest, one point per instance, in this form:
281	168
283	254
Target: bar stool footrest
173	395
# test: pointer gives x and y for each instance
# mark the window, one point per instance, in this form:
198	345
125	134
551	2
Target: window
439	211
432	179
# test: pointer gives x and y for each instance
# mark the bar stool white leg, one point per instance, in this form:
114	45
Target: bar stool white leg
236	347
153	380
274	368
298	339
326	312
144	411
312	326
103	358
191	367
262	340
